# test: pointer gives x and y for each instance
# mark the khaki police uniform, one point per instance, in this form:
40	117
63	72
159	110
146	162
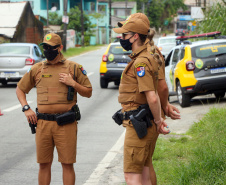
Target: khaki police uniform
138	152
52	99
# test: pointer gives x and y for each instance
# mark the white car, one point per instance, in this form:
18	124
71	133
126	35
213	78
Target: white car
165	44
16	59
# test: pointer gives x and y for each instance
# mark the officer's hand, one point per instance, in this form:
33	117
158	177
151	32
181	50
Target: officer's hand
161	128
31	116
173	112
66	79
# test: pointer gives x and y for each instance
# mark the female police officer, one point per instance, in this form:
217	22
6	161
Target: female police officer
139	86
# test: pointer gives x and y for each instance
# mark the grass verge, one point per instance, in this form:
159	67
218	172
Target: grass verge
79	50
196	159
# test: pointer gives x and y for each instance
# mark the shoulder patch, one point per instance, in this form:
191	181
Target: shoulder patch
83	70
140	69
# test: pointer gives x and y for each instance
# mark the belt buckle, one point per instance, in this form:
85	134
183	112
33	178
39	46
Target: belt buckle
124	115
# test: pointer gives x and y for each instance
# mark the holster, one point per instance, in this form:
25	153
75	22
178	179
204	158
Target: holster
117	118
75	108
66	118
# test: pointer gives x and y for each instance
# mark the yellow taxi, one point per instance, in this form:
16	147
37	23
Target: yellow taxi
197	68
114	61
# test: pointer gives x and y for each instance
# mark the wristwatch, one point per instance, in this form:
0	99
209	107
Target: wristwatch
25	108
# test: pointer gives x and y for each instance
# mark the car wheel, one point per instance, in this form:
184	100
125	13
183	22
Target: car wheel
117	83
184	99
103	83
219	95
4	82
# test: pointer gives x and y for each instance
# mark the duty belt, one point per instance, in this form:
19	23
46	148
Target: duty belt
48	117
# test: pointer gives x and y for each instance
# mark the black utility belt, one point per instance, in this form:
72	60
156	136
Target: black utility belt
62	119
140	118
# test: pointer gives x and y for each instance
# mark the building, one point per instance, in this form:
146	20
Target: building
18	23
93	8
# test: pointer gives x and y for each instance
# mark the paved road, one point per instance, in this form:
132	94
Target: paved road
100	140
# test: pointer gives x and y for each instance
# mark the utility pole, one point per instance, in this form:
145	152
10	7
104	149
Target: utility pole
82	23
65	28
47	7
110	21
126	9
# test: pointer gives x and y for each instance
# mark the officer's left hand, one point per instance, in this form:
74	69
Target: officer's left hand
66	79
172	112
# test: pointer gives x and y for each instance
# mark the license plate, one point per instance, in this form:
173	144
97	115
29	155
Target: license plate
122	64
218	70
9	74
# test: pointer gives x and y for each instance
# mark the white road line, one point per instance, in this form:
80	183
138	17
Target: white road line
89	74
15	107
106	161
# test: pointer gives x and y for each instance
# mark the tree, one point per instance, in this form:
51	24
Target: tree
55	19
214	20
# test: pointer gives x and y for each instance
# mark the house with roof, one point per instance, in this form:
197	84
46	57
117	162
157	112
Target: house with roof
18	23
98	10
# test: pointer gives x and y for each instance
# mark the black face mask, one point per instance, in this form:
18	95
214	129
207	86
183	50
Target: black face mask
126	44
51	54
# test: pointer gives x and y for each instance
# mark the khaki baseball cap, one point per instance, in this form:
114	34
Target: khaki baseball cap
137	23
52	39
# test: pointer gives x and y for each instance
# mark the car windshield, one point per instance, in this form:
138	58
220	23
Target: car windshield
5	50
167	40
117	50
210	50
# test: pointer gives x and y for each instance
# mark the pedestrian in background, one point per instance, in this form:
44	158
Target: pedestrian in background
139	87
57	81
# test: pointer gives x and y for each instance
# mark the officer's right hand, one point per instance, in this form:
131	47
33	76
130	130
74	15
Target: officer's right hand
31	116
161	128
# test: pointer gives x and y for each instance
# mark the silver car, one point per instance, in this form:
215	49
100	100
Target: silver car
165	44
16	59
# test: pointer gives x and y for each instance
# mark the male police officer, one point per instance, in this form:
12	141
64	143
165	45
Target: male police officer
56	122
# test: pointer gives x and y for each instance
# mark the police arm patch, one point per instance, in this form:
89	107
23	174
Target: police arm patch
83	70
140	69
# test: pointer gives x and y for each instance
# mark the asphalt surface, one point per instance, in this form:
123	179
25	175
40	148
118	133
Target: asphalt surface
100	140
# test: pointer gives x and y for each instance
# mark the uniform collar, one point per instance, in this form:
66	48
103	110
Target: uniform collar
138	51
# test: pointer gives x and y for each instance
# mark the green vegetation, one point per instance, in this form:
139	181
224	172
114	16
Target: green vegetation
198	158
79	50
215	20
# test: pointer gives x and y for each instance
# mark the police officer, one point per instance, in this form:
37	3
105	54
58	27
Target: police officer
139	86
52	79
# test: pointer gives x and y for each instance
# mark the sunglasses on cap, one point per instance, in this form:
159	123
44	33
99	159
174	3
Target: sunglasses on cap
48	47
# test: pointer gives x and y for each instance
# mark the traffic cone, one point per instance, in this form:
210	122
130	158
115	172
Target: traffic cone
0	113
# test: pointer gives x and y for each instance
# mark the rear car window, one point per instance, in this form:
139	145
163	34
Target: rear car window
210	50
4	50
118	50
166	41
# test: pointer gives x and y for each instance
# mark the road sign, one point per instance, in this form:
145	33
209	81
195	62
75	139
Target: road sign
197	13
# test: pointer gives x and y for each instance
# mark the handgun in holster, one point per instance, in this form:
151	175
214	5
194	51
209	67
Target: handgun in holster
33	130
139	124
117	118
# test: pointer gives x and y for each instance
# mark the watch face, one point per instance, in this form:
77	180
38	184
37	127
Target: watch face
26	107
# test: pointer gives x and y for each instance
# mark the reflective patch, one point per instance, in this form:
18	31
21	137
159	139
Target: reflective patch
111	57
83	70
140	71
46	76
29	70
140	65
199	63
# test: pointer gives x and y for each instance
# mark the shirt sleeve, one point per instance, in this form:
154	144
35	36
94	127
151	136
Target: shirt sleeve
81	75
27	82
161	75
143	72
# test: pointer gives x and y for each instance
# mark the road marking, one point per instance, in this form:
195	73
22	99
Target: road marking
15	107
106	161
89	74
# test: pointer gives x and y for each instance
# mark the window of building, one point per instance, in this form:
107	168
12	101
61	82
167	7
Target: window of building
102	9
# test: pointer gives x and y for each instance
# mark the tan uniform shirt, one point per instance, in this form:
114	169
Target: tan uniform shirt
37	73
140	75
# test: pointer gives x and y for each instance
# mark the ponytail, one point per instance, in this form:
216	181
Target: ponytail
153	50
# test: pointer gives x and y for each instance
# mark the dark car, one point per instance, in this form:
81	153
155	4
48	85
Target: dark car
114	60
16	59
180	32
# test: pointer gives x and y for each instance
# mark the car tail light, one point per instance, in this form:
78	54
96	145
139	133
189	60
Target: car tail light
29	61
183	31
160	48
105	58
189	88
190	66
